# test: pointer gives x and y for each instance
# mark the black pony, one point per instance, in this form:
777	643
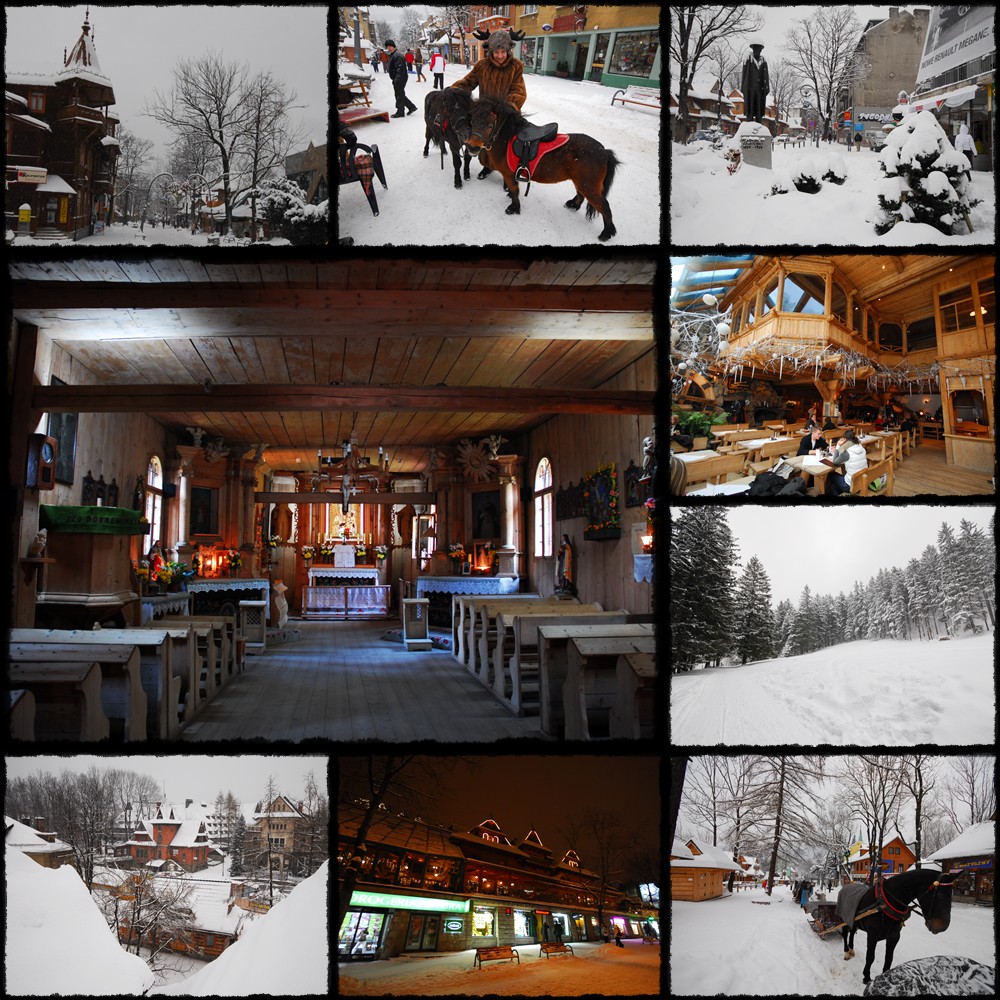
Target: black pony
493	125
444	111
893	896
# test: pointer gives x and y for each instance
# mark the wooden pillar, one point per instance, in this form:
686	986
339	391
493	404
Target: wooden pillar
186	454
510	474
247	472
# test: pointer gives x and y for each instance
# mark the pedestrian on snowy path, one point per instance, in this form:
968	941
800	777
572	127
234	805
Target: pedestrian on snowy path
409	60
964	143
437	68
618	937
398	74
418	66
375	61
558	930
857	141
804	894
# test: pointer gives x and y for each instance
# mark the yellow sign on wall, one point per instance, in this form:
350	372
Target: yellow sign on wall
63	209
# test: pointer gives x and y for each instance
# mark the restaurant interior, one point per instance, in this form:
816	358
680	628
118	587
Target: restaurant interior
898	349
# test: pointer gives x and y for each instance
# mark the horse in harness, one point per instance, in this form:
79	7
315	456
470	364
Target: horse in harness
524	152
881	910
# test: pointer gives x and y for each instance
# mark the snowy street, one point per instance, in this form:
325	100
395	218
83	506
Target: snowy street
131	235
708	206
733	946
593	968
422	207
922	692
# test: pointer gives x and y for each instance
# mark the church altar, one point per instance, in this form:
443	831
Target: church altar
339	574
345	601
223	595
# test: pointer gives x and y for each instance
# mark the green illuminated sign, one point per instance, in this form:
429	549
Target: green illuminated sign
398	902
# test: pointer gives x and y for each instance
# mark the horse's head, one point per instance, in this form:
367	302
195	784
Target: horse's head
935	902
485	122
456	104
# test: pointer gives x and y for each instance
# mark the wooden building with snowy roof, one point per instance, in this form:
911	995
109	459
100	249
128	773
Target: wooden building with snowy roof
168	836
973	850
896	858
703	874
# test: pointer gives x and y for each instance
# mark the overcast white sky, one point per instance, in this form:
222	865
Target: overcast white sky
777	21
197	777
138	47
829	548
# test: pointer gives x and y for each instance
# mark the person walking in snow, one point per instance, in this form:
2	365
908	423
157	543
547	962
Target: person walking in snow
398	74
409	60
618	937
964	143
804	894
857	141
418	66
546	927
437	68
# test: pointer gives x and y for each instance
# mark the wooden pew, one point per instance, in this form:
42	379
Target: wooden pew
122	696
591	684
484	620
515	656
22	715
471	622
460	606
633	716
67	699
165	663
206	682
225	632
553	643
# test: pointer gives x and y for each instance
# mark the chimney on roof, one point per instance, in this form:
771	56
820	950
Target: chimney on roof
893	13
187	803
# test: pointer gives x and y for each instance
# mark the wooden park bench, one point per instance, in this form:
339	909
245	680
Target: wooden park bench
650	939
22	715
861	479
123	700
633	716
501	953
553	644
67	699
648	97
550	948
515	656
591	685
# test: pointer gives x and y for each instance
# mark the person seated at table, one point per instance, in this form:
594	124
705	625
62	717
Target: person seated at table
684	440
829	425
813	442
907	425
678	477
880	423
852	457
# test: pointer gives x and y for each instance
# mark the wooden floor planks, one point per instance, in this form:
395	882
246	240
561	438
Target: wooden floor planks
341	682
926	471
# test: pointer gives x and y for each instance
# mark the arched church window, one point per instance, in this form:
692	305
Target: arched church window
543	509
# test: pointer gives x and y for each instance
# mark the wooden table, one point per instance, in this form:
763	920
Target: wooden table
553	643
633	716
734	486
895	439
811	466
591	685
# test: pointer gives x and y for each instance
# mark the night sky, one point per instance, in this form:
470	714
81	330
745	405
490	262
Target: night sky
521	791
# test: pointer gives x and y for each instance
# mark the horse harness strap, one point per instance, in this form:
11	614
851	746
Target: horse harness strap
890	911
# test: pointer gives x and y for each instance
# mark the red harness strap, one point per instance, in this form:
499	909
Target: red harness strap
543	147
891	911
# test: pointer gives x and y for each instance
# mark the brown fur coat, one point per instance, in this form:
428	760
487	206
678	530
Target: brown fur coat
505	82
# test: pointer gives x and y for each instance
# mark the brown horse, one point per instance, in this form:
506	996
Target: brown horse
493	125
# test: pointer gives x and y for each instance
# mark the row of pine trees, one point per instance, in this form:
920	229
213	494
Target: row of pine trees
715	613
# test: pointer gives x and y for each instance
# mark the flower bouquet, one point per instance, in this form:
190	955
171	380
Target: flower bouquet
274	541
234	559
380	553
308	552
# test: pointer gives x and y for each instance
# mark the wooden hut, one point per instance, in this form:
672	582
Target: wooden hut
973	850
702	875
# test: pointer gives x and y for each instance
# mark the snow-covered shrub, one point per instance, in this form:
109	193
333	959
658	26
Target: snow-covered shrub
925	179
834	169
805	174
781	182
282	203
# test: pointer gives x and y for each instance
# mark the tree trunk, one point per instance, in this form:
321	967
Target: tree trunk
777	827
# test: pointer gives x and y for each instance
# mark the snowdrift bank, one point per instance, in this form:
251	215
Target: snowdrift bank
57	939
592	969
731	946
282	954
873	692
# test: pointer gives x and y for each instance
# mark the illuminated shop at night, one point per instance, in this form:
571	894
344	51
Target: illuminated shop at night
429	888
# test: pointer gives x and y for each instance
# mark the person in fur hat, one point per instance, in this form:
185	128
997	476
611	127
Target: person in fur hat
498	75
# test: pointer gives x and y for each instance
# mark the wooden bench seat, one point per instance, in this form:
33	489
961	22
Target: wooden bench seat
550	948
67	699
501	953
591	685
648	97
633	716
516	667
553	645
461	605
123	700
861	479
226	641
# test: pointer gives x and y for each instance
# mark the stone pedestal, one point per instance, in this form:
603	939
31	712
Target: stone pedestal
754	144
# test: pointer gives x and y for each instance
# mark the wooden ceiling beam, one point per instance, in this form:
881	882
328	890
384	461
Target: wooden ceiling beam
215	398
334	497
54	295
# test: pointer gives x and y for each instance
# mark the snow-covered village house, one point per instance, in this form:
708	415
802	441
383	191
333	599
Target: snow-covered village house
77	147
167	837
284	823
706	106
699	871
775	124
308	169
43	847
428	888
973	850
896	858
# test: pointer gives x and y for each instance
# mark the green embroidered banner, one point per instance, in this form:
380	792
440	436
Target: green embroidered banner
91	520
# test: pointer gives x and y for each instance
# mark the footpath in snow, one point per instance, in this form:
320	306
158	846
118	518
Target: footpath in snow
710	206
881	692
421	206
593	968
732	946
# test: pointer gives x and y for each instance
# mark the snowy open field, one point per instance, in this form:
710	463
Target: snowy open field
593	968
422	207
883	692
708	207
733	947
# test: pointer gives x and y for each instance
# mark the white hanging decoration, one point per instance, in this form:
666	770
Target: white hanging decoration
682	366
723	330
709	299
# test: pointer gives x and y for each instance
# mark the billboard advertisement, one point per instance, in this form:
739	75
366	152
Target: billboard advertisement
955	35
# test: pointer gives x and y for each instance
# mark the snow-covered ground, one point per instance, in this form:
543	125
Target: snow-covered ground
870	692
731	946
593	968
422	207
708	206
130	235
58	940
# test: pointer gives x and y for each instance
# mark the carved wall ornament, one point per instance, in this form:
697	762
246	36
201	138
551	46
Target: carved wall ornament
475	461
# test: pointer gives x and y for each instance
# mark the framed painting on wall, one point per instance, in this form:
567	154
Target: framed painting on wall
204	510
486	521
62	426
